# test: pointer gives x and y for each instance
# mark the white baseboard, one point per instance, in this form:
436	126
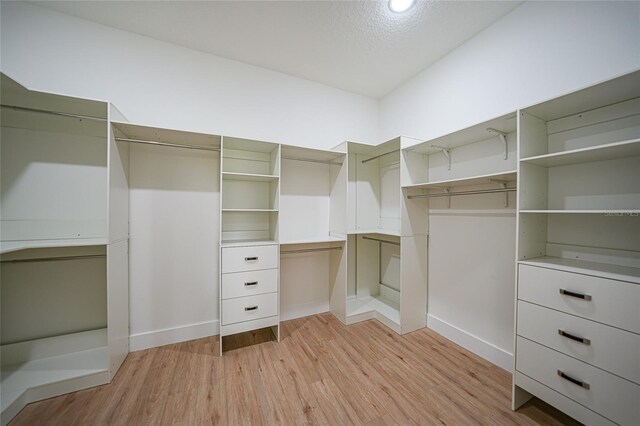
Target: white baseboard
303	310
482	348
168	336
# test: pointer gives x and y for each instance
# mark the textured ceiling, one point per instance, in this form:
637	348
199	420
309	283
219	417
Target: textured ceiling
358	46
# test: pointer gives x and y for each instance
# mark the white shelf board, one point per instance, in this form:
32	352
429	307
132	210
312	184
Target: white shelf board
11	246
604	270
18	379
156	134
245	243
468	181
390	232
317	239
612	212
611	151
248	177
248	210
310	154
379	304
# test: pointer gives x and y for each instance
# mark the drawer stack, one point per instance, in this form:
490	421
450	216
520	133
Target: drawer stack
578	343
249	288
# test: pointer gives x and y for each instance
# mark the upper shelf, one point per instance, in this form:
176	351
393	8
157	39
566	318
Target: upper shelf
316	239
290	152
248	177
130	132
468	181
11	246
611	151
390	232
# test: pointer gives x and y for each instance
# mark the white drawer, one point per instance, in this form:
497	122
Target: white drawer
609	348
249	258
609	395
611	302
249	308
242	284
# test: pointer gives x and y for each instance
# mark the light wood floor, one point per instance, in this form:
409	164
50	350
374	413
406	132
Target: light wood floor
322	372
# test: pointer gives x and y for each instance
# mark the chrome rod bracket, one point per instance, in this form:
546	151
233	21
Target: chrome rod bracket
503	138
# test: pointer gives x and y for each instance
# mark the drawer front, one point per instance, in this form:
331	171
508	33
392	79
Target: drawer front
249	308
241	284
609	395
250	258
609	348
611	302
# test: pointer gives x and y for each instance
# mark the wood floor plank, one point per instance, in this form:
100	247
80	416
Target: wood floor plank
322	372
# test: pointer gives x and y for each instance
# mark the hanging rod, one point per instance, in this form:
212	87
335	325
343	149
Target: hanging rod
46	111
453	194
175	145
52	259
333	163
310	250
378	156
380	241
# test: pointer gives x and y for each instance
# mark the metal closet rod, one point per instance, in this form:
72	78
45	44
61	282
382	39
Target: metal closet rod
453	194
380	241
175	145
47	111
309	160
378	156
52	259
310	250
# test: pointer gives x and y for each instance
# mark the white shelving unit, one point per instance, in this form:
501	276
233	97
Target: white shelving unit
65	324
249	234
578	227
312	232
460	189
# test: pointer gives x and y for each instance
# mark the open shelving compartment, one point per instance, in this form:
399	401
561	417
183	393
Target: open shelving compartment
250	190
312	231
64	291
580	171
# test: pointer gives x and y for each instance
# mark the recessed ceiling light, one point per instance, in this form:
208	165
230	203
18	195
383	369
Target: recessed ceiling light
399	6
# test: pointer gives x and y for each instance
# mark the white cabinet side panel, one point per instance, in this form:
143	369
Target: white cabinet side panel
174	238
117	304
367	193
118	189
472	273
338	199
414	276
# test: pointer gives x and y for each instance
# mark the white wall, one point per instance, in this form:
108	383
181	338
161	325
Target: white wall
538	51
164	85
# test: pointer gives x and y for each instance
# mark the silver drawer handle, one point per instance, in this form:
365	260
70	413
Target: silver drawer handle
574	381
250	259
574	337
564	292
251	283
251	308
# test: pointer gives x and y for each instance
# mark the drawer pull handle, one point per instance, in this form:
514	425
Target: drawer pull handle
251	308
574	337
251	283
574	381
564	292
250	259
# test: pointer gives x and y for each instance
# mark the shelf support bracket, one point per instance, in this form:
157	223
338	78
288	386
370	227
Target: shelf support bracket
446	152
502	136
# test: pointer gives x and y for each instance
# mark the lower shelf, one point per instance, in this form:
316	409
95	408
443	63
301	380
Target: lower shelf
374	307
37	379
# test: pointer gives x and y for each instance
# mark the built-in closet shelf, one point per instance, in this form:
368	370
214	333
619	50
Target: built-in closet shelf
604	270
390	232
468	181
245	243
610	151
249	210
606	212
318	239
10	246
248	177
